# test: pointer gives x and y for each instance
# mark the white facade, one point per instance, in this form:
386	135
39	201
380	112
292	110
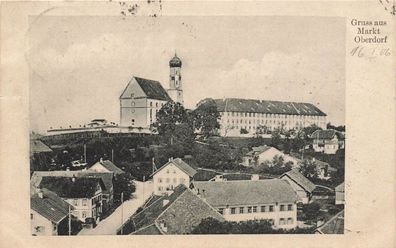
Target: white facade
330	146
169	177
175	90
305	197
268	155
231	123
87	207
282	215
41	226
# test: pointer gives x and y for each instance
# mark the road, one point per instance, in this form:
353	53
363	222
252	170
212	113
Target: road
110	225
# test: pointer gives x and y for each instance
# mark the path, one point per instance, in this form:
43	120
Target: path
110	225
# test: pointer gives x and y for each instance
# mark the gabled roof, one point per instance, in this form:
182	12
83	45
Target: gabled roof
51	206
267	107
110	167
107	178
258	150
340	187
66	187
181	165
246	192
37	146
181	213
334	226
327	134
152	89
300	179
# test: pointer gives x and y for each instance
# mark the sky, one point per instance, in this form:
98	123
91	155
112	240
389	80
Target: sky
80	65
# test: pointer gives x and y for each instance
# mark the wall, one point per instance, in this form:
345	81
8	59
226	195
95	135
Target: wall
47	228
302	194
170	172
88	209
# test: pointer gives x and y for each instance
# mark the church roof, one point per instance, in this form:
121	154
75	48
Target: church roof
267	107
152	89
175	62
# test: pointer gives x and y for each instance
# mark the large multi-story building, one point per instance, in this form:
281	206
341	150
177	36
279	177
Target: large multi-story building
248	115
143	98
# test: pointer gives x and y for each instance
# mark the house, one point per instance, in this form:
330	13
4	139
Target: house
170	175
250	114
83	193
340	194
143	98
106	166
107	178
301	185
334	226
261	154
176	213
327	141
37	146
323	169
270	199
48	214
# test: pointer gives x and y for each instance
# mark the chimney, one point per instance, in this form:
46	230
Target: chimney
255	177
165	202
40	194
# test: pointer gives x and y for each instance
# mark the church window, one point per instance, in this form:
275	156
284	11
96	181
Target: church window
133	121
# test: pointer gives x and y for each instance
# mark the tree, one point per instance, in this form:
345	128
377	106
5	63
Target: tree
311	211
123	184
169	117
308	169
243	131
337	128
206	118
276	138
309	130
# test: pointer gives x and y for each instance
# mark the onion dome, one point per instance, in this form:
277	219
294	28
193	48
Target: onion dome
175	62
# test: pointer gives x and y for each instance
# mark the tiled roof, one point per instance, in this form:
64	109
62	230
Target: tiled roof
258	150
300	179
111	167
152	89
326	134
67	187
183	211
51	206
107	178
334	226
267	107
37	146
340	188
181	165
244	192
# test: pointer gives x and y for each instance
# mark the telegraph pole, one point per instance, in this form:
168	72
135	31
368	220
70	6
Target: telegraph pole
112	155
122	211
69	221
85	153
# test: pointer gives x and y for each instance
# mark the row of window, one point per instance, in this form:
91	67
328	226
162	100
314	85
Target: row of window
266	122
245	114
255	209
168	180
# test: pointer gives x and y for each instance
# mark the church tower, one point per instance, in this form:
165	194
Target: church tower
175	90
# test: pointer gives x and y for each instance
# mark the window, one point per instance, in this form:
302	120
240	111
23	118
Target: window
160	180
132	104
84	214
282	207
53	227
241	210
31	216
271	208
84	202
263	209
249	209
233	210
156	104
75	202
221	210
281	221
151	104
254	209
159	188
290	207
289	221
133	121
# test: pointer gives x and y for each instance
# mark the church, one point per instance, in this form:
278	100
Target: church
143	98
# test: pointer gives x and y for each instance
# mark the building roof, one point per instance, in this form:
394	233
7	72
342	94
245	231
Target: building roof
37	146
182	211
334	226
340	187
175	62
67	187
267	107
300	179
181	165
50	206
258	150
110	167
327	134
152	89
107	178
244	192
